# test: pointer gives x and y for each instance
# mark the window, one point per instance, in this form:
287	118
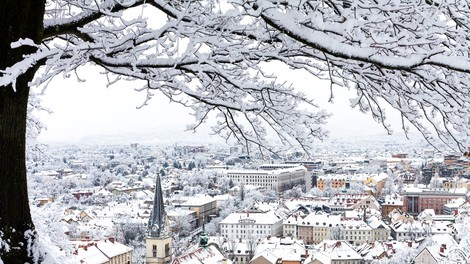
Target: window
167	249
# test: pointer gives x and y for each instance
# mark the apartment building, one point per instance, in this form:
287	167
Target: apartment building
344	201
339	181
204	206
251	225
289	226
322	226
417	199
390	203
278	178
380	230
357	232
312	229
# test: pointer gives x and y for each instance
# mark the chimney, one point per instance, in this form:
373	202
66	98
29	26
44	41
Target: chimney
85	248
111	239
306	253
410	243
443	248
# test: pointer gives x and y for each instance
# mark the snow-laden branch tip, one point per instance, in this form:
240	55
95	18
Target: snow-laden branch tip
23	42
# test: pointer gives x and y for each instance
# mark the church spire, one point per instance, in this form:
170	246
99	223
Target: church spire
157	221
158	242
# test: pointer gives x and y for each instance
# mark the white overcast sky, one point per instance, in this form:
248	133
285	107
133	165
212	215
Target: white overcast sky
82	109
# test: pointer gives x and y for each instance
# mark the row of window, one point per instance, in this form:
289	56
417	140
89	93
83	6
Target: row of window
245	226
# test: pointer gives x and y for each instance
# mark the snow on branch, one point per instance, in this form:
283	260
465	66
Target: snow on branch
210	57
412	55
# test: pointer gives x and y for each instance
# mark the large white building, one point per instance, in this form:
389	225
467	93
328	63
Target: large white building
251	225
277	178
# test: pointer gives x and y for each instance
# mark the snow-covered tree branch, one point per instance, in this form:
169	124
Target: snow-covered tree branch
209	56
410	55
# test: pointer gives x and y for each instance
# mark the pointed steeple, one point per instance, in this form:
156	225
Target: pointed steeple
158	242
157	221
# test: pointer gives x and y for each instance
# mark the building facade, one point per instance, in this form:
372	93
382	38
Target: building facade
204	206
277	179
416	200
251	225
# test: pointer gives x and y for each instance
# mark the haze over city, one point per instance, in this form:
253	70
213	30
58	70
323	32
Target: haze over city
81	110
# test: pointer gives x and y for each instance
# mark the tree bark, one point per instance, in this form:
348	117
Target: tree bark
22	19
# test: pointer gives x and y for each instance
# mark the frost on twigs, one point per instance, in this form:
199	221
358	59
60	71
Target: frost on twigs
204	55
210	57
411	55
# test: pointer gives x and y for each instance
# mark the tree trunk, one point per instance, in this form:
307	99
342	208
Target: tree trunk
23	19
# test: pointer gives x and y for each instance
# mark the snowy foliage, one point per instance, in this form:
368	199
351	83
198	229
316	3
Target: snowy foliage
435	182
52	243
408	54
326	192
403	255
210	56
294	192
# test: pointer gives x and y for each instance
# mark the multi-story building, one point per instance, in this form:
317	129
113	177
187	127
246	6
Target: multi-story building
314	169
401	231
239	251
357	232
344	201
251	225
416	199
305	231
452	208
312	229
277	179
340	180
380	230
376	181
390	203
322	226
289	226
332	181
204	206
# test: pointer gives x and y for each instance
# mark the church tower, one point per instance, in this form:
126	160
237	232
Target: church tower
158	241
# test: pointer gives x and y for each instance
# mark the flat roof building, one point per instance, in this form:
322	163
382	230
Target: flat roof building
277	179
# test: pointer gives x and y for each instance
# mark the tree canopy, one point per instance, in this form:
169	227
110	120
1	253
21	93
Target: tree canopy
209	56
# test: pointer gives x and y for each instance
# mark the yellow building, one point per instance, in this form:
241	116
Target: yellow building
332	182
